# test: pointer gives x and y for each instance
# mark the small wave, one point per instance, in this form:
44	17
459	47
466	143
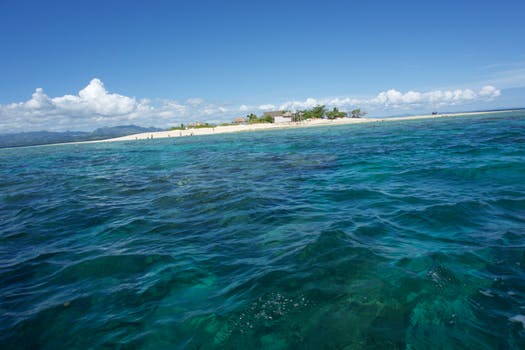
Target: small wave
112	266
518	319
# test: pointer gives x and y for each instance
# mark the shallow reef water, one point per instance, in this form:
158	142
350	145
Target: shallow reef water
398	235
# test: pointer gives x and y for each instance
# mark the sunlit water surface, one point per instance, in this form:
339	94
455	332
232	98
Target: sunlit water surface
401	235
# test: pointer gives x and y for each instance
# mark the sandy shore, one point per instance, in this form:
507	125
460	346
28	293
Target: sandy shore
255	127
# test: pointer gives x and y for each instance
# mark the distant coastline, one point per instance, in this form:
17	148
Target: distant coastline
276	126
223	129
39	138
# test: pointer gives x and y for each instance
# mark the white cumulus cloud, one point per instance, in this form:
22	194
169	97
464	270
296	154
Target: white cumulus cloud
195	101
394	98
93	106
95	99
266	107
489	91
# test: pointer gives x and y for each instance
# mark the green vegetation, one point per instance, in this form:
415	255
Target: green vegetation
335	113
202	125
267	119
314	113
253	119
193	126
320	111
181	127
356	113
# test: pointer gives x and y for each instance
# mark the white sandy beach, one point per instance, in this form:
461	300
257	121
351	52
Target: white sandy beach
268	126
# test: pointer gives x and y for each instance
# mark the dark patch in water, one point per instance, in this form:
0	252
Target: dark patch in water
401	235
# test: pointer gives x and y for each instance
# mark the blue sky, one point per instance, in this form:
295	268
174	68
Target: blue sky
214	60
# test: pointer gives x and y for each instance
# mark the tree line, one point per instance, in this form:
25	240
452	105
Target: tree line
316	112
320	111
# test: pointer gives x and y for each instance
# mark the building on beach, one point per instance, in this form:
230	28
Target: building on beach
279	116
239	120
196	124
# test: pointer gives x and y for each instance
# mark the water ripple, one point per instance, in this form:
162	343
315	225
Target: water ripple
391	235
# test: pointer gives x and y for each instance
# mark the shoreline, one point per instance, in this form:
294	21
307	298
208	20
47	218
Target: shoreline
269	126
265	126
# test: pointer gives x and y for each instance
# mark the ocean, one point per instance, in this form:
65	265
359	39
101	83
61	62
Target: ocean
395	235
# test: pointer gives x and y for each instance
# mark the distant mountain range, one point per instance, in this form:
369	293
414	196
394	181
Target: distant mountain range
34	138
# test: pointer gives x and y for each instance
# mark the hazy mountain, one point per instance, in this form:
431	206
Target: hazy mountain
48	137
122	130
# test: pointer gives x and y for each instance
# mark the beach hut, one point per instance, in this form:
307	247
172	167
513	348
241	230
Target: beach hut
280	116
239	120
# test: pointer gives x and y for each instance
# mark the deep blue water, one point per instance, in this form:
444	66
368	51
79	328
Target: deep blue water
398	235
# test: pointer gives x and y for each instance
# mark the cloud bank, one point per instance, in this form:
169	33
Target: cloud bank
393	99
94	107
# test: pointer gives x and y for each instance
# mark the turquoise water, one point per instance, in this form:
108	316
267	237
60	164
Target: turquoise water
399	235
